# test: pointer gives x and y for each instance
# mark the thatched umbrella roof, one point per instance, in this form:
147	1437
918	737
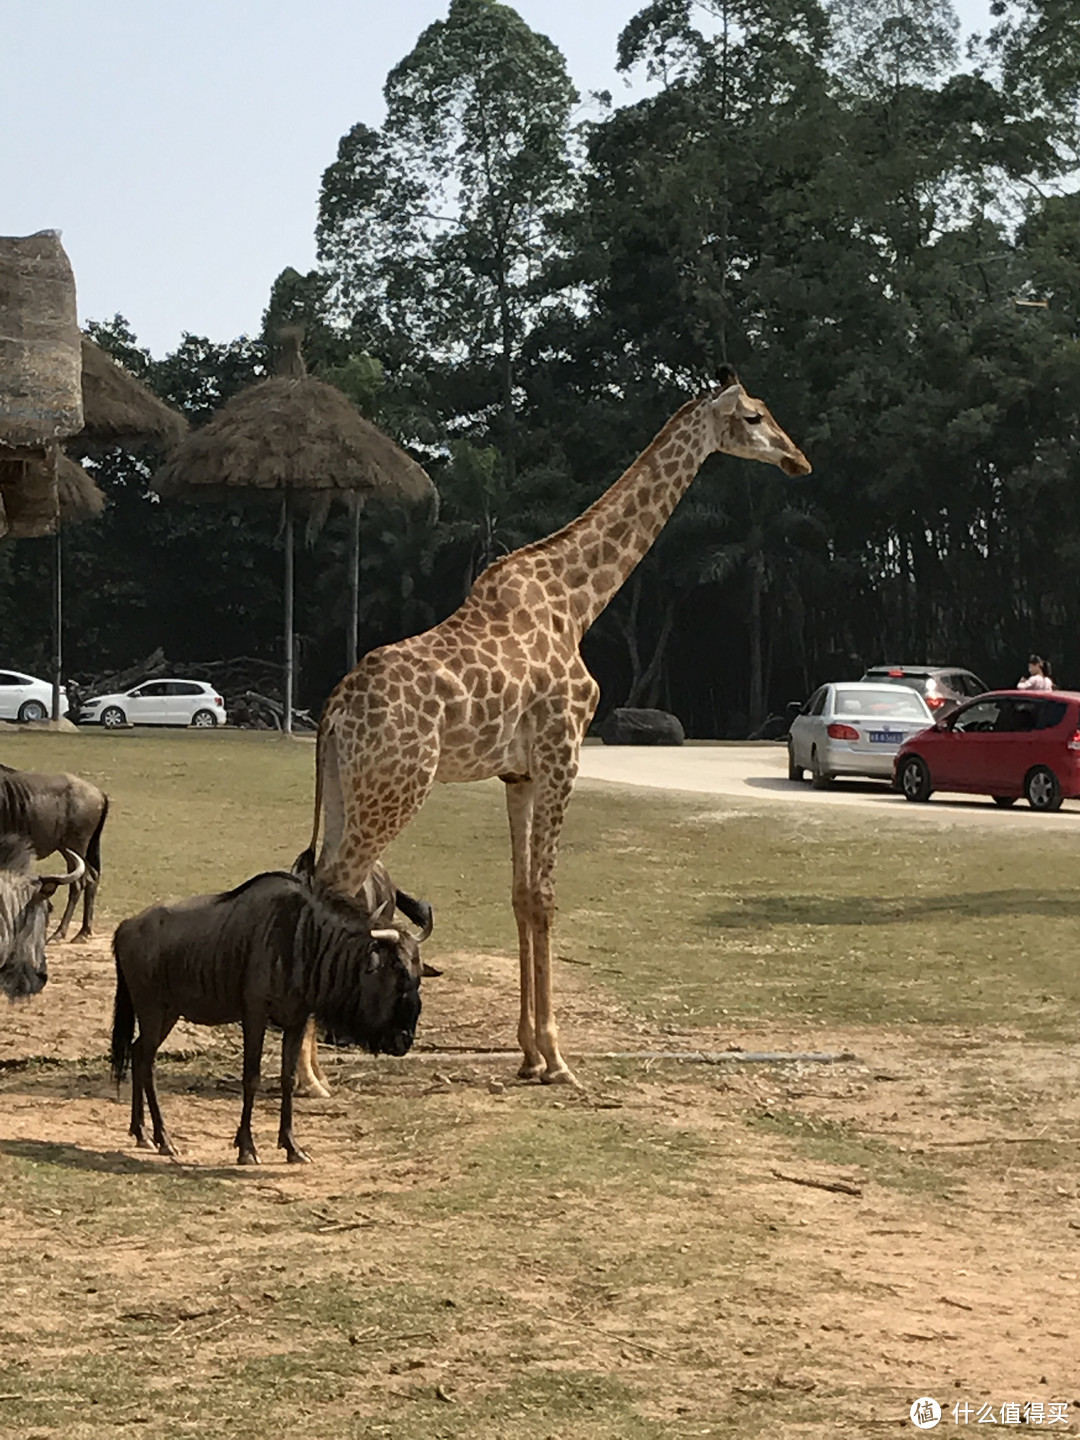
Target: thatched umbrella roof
292	433
79	498
117	408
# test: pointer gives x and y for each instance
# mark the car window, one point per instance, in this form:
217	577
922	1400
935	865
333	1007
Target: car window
906	681
6	679
898	702
157	687
818	706
982	718
972	685
808	705
1046	714
184	687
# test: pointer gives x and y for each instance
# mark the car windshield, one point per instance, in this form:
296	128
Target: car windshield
897	703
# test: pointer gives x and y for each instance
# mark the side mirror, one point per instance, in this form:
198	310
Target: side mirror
792	708
940	725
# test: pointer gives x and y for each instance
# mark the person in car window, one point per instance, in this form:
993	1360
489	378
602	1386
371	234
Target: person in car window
1038	676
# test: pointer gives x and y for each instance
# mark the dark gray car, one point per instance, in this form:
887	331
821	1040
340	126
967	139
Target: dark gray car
943	687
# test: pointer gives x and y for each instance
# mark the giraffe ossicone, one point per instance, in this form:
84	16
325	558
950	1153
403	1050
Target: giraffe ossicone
500	689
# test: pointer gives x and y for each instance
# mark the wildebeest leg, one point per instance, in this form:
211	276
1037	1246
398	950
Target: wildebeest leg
310	1079
254	1032
136	1128
60	933
91	882
143	1052
290	1050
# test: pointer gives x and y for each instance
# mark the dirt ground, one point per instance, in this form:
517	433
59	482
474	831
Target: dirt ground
472	1256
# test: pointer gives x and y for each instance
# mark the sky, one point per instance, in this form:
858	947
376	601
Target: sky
178	145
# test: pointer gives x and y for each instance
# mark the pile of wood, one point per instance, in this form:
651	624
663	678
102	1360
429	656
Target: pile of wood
253	689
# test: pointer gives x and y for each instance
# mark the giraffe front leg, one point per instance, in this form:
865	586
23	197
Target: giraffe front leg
552	798
310	1080
519	807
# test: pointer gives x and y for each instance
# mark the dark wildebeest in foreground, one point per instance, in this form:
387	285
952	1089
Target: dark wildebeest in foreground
24	912
58	812
379	899
271	952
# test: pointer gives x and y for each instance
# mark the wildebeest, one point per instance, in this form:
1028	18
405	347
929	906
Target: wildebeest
272	951
58	812
379	899
24	912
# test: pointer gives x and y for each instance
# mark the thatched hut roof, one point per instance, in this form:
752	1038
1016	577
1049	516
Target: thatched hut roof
40	399
28	492
292	433
118	408
79	498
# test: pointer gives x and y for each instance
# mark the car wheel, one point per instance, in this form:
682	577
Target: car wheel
794	772
1004	801
1042	789
113	717
819	778
32	710
914	779
204	719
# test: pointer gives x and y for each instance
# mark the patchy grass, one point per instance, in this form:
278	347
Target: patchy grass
470	1258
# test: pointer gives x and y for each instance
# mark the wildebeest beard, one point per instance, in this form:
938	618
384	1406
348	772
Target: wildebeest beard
365	992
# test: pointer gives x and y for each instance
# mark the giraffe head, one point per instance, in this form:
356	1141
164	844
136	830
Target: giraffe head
742	426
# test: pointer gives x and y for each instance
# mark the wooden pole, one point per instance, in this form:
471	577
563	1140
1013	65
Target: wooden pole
357	506
286	721
58	622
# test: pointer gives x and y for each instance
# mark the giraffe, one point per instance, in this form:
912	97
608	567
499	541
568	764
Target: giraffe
500	689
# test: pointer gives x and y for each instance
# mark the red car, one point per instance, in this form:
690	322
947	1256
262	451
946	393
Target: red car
1005	744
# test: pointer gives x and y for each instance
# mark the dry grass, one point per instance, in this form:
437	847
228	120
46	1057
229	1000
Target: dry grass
469	1257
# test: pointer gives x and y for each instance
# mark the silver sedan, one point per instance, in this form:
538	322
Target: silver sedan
853	728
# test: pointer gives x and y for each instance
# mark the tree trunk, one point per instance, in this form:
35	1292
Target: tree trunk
356	505
58	622
757	688
286	723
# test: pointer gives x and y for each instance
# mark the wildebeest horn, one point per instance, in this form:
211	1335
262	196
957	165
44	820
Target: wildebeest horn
392	935
76	871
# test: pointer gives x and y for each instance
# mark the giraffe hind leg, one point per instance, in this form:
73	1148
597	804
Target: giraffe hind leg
519	807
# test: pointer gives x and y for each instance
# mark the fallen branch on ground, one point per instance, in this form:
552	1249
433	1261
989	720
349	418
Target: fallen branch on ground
840	1187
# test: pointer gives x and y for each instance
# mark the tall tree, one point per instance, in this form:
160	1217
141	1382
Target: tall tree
434	231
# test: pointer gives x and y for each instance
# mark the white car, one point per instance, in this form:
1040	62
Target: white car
22	697
157	702
854	728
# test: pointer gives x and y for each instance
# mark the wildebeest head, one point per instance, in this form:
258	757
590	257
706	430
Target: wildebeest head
369	993
24	912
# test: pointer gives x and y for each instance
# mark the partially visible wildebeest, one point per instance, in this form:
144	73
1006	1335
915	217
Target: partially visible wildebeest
379	899
24	913
58	812
271	952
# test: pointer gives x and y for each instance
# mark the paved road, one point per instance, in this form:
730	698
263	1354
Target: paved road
759	772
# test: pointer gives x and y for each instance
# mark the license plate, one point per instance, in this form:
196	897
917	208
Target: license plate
886	737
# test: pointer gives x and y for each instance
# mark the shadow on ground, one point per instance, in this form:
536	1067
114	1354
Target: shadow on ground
757	910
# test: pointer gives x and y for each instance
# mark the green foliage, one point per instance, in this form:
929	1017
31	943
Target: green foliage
881	237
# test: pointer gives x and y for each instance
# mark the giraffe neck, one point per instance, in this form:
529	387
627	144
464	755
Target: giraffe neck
598	551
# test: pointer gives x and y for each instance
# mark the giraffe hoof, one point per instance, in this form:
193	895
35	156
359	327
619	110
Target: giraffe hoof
561	1076
315	1091
528	1071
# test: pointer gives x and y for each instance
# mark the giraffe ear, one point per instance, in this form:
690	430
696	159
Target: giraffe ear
726	376
726	401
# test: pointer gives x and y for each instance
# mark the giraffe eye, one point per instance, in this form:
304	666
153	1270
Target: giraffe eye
753	419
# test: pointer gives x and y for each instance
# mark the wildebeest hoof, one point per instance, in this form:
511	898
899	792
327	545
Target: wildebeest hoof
563	1076
142	1143
297	1157
247	1157
166	1147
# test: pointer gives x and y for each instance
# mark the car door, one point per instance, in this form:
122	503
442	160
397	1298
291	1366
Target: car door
802	727
982	735
186	698
147	704
11	694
